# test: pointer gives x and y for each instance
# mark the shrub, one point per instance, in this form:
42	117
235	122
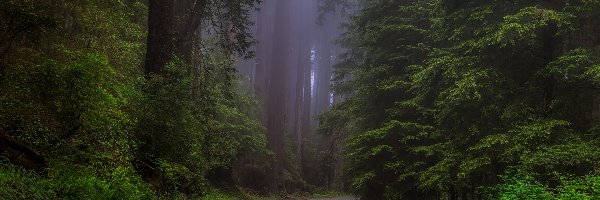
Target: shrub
71	183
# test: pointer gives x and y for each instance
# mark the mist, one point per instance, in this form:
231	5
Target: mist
291	73
299	99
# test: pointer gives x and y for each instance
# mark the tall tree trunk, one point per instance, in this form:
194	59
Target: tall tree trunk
161	27
184	38
276	107
328	33
303	67
172	25
299	106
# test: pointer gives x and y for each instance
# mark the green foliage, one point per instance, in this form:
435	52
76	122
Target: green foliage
68	93
525	186
194	121
231	20
57	106
74	92
525	25
23	22
170	116
218	196
445	96
578	65
69	183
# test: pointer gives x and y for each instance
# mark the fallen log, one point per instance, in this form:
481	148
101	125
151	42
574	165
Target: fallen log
23	156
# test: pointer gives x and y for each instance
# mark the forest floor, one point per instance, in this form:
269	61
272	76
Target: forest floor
339	198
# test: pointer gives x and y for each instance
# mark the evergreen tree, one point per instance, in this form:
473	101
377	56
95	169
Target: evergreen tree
446	96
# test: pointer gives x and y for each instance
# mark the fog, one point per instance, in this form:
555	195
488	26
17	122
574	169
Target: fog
292	70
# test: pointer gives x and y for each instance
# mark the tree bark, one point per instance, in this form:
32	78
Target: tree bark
161	26
172	33
276	107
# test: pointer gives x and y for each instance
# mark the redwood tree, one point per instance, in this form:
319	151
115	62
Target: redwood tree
174	26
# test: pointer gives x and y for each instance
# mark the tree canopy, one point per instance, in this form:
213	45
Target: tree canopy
236	99
470	100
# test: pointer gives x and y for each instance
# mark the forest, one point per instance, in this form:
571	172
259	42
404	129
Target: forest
300	99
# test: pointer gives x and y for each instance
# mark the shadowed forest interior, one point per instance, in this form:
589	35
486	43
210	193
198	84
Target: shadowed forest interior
300	99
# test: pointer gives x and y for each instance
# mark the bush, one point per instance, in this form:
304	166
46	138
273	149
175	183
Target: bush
528	186
70	183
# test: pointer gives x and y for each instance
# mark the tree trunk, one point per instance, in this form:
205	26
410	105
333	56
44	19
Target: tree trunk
276	106
161	26
172	25
21	155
